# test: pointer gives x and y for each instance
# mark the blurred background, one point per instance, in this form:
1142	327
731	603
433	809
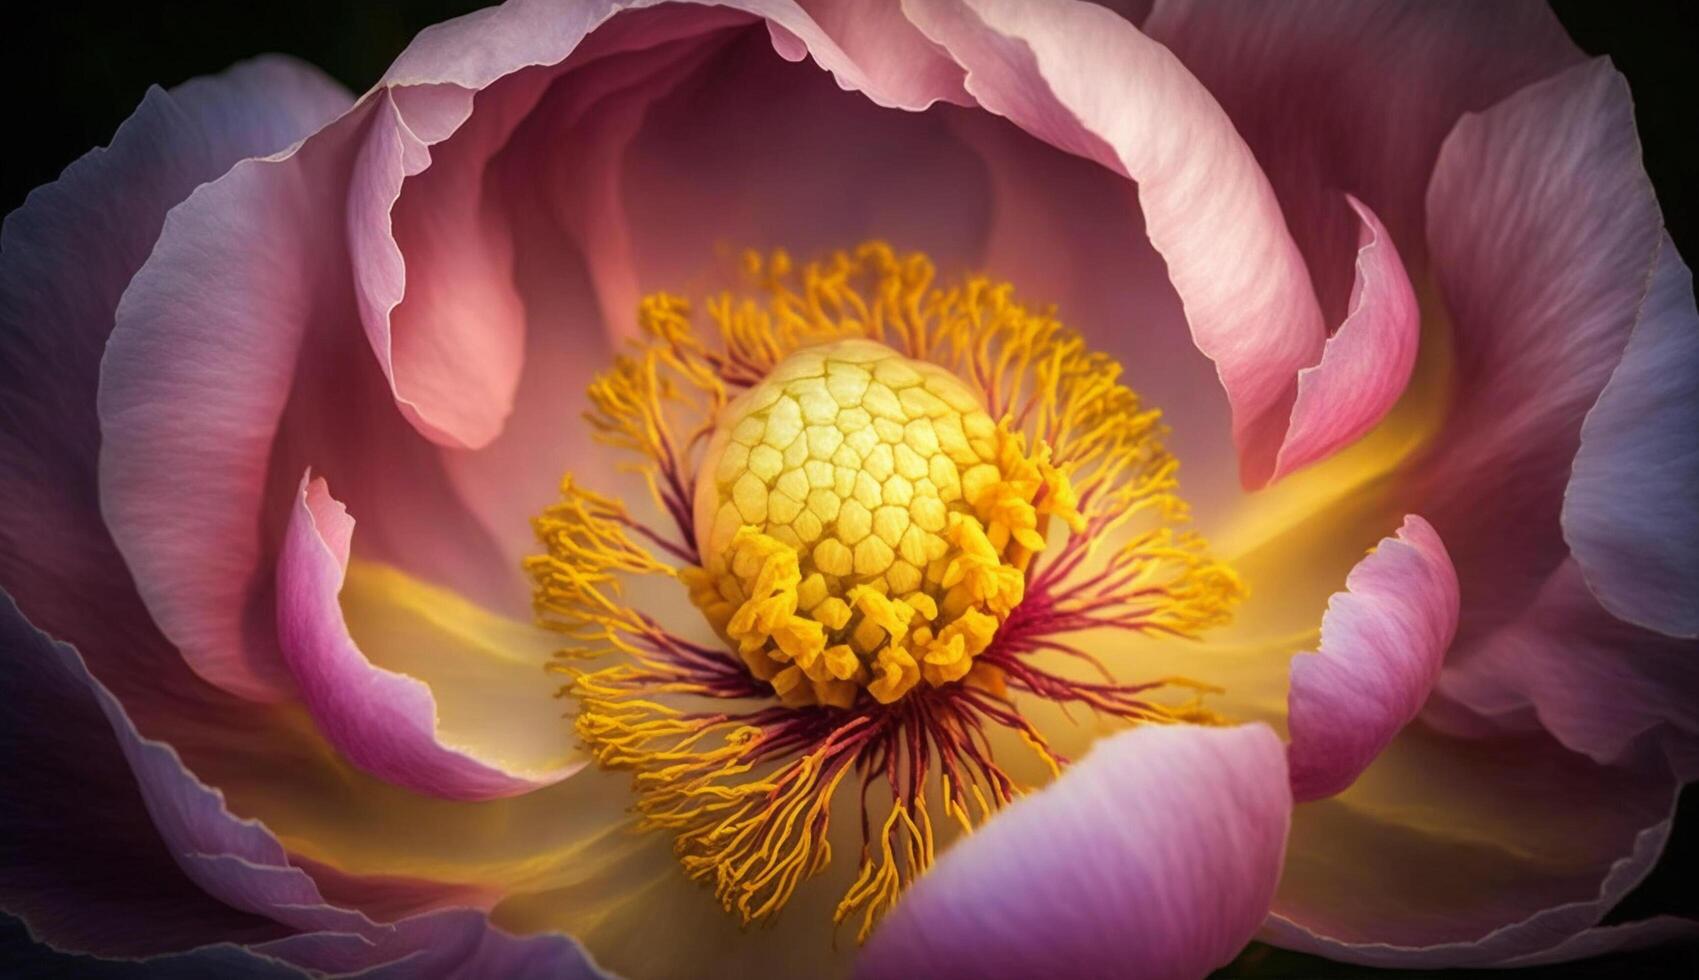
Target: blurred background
73	71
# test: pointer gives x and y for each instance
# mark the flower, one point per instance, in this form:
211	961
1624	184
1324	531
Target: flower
946	591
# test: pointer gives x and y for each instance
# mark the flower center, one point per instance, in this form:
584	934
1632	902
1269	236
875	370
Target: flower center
865	524
862	480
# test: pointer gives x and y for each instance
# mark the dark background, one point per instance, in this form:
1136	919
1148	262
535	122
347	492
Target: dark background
72	71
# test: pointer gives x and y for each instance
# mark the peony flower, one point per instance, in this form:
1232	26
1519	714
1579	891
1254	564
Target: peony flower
959	487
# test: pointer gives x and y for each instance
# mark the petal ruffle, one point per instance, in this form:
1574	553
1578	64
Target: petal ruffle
394	725
1084	80
1154	856
233	897
1383	641
1628	513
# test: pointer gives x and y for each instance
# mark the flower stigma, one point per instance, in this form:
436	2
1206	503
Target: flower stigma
891	502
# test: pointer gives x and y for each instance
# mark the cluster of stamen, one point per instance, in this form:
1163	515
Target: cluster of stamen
888	500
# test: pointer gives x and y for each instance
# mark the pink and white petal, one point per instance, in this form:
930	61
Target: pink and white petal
1477	851
1604	688
1357	97
66	256
1383	642
1543	231
1154	856
1087	81
1367	362
386	722
1628	512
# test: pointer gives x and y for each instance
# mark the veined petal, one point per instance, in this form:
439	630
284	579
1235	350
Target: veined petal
1154	856
1383	641
499	735
1628	513
1543	230
1087	81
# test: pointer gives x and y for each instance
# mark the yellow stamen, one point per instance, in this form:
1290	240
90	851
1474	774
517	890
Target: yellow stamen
885	498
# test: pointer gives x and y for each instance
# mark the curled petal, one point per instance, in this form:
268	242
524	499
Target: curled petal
1383	641
1628	513
1365	364
388	722
1084	80
1155	856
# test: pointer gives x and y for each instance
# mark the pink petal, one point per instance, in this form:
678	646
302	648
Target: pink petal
67	255
236	358
1154	856
193	384
876	36
1628	513
452	353
1486	850
1085	80
1383	641
1543	231
165	866
384	722
1357	97
1602	687
1365	364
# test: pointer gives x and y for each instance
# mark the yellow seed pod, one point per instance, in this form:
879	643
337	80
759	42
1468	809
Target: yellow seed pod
863	502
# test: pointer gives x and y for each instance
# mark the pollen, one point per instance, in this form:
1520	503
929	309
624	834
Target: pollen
894	504
864	524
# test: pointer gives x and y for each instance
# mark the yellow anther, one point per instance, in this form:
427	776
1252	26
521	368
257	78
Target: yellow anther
860	467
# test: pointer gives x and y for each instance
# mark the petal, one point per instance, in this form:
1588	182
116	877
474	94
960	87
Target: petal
452	352
1598	684
65	258
390	723
1475	851
1365	364
884	44
1628	512
84	867
1085	80
1543	231
1383	643
157	864
196	375
237	358
1154	856
1357	97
